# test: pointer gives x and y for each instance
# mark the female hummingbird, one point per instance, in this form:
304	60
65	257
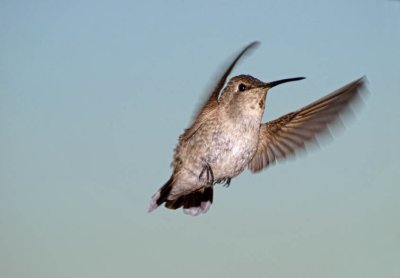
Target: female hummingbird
227	135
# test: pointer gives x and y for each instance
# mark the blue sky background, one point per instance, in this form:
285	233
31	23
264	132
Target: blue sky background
94	94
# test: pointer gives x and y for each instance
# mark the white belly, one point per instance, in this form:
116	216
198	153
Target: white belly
236	152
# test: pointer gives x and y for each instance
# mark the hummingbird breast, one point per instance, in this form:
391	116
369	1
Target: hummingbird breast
231	149
226	146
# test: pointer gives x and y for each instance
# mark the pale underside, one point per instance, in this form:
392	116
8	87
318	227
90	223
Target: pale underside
206	154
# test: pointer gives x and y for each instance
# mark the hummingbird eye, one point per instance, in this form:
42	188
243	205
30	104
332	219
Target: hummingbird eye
242	87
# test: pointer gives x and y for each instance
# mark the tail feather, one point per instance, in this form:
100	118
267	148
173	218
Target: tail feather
161	195
193	203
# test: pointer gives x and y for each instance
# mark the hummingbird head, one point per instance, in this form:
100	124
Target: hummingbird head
244	96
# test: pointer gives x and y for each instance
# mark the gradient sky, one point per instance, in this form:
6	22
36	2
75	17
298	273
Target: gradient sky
94	94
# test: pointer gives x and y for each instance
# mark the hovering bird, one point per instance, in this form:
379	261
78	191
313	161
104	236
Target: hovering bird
227	135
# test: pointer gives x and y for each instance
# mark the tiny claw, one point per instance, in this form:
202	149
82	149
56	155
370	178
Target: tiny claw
207	170
227	183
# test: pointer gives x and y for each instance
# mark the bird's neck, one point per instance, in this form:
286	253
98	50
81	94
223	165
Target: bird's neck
240	121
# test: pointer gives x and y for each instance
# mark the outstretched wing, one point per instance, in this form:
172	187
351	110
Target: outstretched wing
211	104
284	136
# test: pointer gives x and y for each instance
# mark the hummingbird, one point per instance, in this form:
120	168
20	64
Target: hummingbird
227	135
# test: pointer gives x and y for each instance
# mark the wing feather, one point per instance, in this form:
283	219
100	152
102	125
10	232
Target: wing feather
211	104
283	137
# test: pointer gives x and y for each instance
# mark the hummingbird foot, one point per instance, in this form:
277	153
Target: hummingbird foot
227	182
206	174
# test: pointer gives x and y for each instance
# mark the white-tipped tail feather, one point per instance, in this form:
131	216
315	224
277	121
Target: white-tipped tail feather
153	202
193	203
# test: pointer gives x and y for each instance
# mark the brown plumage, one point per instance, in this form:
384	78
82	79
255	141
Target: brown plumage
227	135
288	134
210	106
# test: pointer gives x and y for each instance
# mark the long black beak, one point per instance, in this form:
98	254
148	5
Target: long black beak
275	83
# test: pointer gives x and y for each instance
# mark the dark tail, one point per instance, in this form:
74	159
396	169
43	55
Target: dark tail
193	203
161	195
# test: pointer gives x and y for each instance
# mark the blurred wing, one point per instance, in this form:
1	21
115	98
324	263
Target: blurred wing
284	136
211	104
